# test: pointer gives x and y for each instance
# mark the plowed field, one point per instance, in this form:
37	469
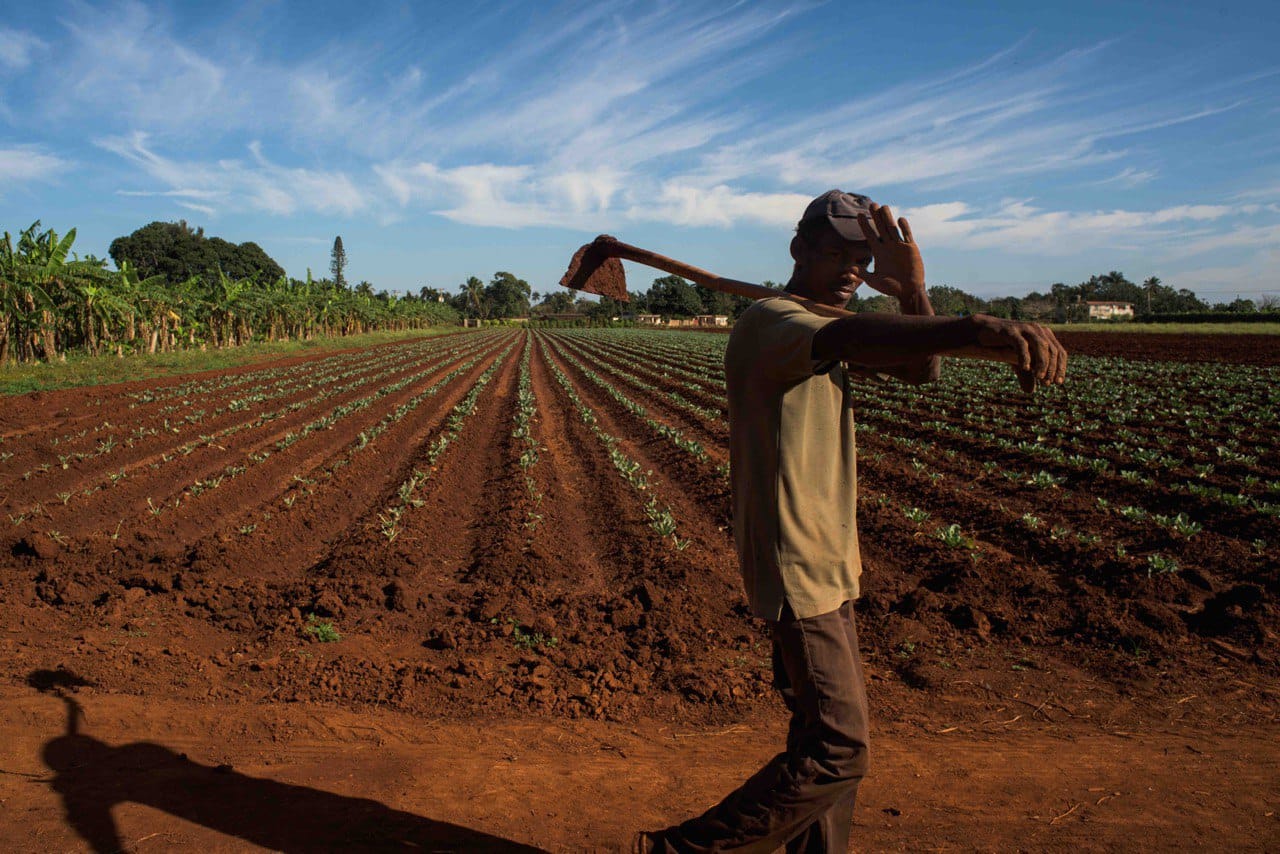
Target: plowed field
511	525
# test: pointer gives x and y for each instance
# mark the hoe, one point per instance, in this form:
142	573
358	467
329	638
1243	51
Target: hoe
596	269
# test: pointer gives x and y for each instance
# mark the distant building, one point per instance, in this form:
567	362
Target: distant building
1108	310
711	320
649	319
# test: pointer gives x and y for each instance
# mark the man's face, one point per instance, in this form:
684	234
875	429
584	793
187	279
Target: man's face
830	269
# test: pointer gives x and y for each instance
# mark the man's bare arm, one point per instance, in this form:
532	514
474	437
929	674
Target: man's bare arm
928	369
881	341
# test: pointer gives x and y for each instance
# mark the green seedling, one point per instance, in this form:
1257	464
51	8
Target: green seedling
321	630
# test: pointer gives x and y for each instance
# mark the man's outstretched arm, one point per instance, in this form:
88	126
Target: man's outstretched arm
883	341
916	371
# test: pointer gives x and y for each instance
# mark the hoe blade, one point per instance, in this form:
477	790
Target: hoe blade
595	270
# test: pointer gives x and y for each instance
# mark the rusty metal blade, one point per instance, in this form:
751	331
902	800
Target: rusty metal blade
596	271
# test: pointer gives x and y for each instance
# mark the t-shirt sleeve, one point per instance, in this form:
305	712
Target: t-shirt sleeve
785	341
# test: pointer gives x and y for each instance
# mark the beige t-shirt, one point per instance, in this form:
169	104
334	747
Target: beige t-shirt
793	464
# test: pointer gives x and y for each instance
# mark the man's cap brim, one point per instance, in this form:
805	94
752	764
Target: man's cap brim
848	228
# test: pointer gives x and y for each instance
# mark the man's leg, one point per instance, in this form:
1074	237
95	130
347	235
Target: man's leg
813	783
830	832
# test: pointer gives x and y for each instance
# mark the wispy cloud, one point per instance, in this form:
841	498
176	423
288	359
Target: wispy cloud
1256	273
204	209
690	204
489	194
183	193
259	184
1128	178
1000	117
18	48
29	163
1017	227
124	57
1240	237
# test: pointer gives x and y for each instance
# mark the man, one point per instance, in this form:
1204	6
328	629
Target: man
794	482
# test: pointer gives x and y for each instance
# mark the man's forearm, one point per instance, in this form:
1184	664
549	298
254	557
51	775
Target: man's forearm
884	340
917	372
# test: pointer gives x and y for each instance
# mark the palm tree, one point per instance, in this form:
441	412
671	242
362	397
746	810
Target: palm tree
474	290
1150	286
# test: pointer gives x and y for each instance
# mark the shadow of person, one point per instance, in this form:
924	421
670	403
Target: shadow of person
92	777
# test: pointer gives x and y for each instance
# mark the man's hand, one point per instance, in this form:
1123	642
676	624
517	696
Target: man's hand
899	269
1040	356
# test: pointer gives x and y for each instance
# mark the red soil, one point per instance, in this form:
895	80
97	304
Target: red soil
492	601
1243	349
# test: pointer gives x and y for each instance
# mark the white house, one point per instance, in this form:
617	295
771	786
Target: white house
1109	310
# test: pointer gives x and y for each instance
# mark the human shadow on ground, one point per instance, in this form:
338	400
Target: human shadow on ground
92	777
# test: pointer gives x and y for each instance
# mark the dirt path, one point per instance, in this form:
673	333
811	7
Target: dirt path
294	777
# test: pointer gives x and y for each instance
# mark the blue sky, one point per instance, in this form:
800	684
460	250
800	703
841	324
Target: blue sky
1028	143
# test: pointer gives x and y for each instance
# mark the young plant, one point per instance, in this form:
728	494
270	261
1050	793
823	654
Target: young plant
321	630
1161	564
953	536
915	514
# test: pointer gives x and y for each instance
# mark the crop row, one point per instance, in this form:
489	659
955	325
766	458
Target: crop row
661	520
167	423
260	449
903	422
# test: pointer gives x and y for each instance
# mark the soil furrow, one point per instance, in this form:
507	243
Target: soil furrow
291	410
694	490
141	433
128	499
331	506
712	432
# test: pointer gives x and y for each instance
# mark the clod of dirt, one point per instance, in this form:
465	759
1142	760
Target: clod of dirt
648	595
35	545
920	602
970	618
1233	611
921	675
441	639
397	596
328	604
1160	617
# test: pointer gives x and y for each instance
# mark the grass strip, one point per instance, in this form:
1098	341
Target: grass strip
84	370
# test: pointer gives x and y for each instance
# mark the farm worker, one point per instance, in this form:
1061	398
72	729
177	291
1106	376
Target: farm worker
794	483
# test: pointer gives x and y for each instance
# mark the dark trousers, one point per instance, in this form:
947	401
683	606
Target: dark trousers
803	798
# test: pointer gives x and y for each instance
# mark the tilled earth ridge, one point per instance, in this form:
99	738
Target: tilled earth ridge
491	598
1241	349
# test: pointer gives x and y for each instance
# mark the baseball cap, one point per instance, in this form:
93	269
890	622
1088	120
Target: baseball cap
841	209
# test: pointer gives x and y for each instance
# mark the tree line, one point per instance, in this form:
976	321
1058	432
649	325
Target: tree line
175	288
672	296
507	297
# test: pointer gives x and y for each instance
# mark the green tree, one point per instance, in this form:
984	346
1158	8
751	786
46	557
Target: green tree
672	296
178	252
606	308
1149	287
338	262
947	300
556	302
471	298
507	296
1237	305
